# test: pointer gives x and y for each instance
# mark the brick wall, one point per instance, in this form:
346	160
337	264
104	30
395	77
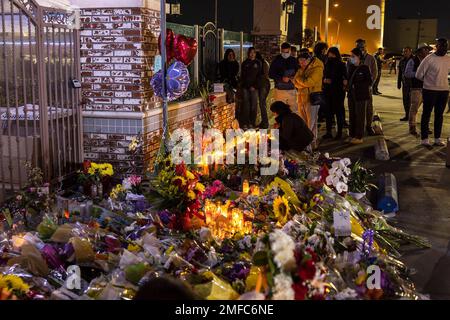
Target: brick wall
118	47
268	45
183	118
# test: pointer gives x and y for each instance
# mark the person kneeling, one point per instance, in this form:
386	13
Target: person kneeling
294	132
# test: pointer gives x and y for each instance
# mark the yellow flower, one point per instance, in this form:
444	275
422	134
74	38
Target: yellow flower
116	191
13	283
281	209
189	175
200	187
183	180
191	195
133	247
361	278
106	169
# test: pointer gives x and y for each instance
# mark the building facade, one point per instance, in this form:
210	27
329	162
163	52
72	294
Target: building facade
409	33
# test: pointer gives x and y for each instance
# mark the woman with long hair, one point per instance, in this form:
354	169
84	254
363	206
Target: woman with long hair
250	77
335	79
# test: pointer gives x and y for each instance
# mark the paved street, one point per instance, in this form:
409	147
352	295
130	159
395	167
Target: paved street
423	182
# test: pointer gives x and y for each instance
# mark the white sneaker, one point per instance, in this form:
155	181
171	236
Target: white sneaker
439	143
426	143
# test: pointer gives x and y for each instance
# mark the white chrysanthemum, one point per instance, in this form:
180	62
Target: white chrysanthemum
283	287
283	248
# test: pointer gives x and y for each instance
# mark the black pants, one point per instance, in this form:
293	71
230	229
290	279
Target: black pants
335	108
249	108
358	113
437	100
377	81
406	91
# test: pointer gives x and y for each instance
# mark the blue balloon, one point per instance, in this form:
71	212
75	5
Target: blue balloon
177	81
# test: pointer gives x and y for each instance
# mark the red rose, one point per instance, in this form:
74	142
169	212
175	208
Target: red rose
307	270
212	98
300	291
180	169
86	165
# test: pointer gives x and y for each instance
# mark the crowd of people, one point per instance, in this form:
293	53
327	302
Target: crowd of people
309	86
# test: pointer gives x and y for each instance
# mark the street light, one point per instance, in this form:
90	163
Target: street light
289	6
175	8
338	28
336	5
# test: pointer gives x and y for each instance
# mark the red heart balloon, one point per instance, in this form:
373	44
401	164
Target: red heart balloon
185	49
170	39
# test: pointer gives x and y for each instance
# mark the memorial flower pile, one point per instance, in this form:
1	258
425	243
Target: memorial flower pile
299	235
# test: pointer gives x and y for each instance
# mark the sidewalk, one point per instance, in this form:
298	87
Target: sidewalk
423	187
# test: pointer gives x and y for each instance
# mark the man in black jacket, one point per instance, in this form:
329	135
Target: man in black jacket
251	71
294	132
282	71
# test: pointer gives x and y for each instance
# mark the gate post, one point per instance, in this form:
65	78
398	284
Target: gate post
43	103
221	33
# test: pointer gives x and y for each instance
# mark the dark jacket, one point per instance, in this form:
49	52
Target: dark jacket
294	132
228	72
401	72
251	71
335	70
416	83
280	68
360	83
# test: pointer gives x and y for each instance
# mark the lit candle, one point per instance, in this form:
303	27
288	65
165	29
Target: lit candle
245	187
255	190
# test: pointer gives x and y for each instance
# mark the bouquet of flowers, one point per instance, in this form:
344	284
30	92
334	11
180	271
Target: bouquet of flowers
133	184
12	287
178	189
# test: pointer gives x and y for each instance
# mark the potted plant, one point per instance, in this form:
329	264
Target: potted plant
359	181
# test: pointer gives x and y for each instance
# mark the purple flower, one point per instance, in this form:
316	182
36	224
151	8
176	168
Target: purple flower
165	216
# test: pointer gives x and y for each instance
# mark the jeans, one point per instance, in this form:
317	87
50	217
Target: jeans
358	111
369	112
416	102
335	107
406	91
437	100
249	108
263	93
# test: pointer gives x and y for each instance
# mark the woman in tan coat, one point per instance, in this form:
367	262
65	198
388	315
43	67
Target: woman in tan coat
308	80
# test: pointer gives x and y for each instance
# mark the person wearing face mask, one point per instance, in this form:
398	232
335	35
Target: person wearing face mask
433	71
368	60
359	86
403	82
251	71
423	50
282	71
335	78
308	82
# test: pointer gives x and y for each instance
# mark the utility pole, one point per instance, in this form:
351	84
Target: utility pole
418	29
327	14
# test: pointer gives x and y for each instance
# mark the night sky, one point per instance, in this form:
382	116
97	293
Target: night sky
237	15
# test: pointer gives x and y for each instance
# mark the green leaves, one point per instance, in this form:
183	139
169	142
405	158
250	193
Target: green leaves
260	258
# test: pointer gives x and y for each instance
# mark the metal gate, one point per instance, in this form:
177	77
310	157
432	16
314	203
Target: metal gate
39	102
210	50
